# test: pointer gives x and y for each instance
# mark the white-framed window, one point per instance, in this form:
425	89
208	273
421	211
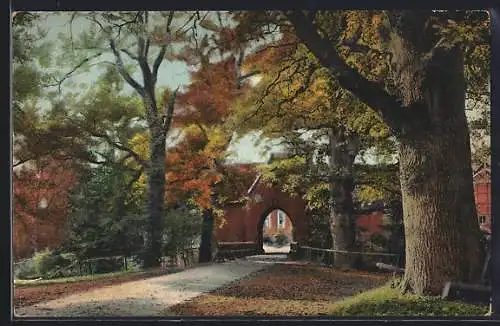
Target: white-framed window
281	219
482	219
267	221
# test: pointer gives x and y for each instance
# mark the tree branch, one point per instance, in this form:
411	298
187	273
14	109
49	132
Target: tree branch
136	177
149	86
132	56
157	62
69	73
248	75
121	69
386	105
169	110
121	147
21	162
203	130
163	49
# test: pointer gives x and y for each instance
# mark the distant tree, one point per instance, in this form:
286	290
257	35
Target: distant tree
41	205
107	216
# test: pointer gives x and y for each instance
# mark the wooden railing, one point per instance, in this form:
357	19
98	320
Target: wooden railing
327	256
182	258
233	250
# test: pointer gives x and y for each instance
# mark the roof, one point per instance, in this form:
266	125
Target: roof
480	172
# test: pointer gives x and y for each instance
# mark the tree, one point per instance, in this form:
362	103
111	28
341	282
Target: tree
418	91
204	107
36	136
183	227
26	51
296	97
107	215
381	183
41	205
141	39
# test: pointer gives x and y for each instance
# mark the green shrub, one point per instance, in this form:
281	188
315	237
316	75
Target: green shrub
182	229
25	270
51	263
379	240
281	239
268	240
102	266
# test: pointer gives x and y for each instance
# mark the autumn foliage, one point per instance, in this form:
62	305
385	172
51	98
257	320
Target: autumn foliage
190	172
194	166
209	97
41	205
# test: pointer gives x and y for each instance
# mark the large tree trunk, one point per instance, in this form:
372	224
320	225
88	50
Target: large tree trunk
206	237
428	117
441	230
342	219
156	196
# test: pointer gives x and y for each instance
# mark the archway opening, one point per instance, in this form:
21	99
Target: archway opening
276	231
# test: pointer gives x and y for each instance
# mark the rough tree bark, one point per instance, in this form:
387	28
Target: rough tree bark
442	233
158	125
428	118
343	150
206	237
155	194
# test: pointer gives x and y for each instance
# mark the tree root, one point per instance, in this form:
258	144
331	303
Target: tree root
404	286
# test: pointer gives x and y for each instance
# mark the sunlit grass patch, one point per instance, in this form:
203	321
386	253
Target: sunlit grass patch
387	301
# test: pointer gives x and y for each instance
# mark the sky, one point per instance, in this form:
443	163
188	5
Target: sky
171	75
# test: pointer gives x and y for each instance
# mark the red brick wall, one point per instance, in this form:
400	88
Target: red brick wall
245	223
482	195
482	192
370	223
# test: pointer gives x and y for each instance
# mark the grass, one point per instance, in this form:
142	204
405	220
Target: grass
386	301
73	279
315	291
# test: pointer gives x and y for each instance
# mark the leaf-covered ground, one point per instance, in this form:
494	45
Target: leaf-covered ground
283	290
305	290
33	294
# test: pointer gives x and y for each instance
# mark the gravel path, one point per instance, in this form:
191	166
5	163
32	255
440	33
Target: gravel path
149	297
272	249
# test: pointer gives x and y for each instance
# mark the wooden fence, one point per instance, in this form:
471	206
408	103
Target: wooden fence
365	260
182	258
233	250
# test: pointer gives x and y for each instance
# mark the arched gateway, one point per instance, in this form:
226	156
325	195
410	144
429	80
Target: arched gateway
244	221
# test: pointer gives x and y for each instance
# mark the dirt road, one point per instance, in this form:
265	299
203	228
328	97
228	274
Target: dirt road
152	296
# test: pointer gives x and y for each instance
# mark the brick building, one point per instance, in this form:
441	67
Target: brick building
278	221
370	224
482	194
